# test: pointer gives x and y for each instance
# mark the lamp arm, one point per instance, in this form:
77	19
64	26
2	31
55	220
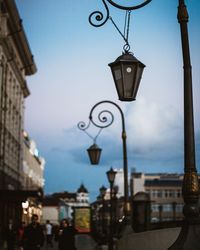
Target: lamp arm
134	7
84	127
103	116
99	16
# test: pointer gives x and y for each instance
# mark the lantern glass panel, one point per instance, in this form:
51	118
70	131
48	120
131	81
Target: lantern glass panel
129	71
118	79
139	72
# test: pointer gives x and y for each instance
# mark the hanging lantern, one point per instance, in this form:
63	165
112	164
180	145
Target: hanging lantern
94	153
111	175
127	73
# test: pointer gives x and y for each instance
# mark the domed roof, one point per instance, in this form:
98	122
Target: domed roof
82	189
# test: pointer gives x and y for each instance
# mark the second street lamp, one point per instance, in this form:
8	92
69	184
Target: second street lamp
104	122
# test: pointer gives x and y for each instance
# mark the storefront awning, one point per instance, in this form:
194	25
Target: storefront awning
20	195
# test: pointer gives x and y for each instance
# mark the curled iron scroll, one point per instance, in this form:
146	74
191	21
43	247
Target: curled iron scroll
105	117
83	126
99	17
103	120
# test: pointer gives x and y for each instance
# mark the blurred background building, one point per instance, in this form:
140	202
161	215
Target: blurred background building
58	206
165	191
21	169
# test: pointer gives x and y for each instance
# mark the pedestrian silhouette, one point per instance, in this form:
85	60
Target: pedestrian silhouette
9	236
49	233
33	237
20	233
66	236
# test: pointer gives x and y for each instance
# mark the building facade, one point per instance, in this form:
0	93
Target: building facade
61	205
16	63
32	176
165	192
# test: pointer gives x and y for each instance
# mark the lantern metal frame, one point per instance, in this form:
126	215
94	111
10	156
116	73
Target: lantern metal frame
127	72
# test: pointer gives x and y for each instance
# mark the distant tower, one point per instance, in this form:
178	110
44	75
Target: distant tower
82	196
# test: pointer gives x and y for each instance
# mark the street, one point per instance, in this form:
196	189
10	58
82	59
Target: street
83	242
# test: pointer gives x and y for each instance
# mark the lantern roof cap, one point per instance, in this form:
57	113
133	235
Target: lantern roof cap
126	57
94	146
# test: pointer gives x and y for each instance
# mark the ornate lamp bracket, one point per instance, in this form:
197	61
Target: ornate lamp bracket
99	17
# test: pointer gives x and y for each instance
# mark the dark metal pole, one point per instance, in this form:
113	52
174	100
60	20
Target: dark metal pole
187	239
125	160
111	217
103	217
190	183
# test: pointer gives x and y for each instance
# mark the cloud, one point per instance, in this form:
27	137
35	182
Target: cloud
151	124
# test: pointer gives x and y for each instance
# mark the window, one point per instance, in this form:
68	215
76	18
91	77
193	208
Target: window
172	193
179	208
167	207
178	193
155	207
166	193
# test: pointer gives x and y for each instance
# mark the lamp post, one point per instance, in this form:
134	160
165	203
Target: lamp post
104	122
111	177
187	239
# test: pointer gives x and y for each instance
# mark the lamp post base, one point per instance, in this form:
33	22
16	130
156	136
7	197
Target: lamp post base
189	237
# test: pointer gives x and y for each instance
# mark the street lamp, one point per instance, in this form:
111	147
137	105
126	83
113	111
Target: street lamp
126	69
104	122
111	177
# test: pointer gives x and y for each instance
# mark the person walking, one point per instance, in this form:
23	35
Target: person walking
20	233
66	236
49	233
10	236
33	237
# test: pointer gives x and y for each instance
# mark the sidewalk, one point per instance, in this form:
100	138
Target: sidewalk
83	242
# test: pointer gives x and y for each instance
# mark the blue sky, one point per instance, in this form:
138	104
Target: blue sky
72	58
